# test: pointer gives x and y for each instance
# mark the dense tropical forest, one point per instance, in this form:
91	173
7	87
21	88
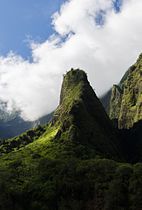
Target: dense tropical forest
84	158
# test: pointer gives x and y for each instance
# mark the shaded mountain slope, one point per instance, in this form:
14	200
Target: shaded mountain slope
126	98
125	110
80	121
81	116
62	165
105	100
131	143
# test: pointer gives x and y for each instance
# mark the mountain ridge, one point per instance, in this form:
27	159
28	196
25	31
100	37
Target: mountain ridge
126	97
96	127
75	161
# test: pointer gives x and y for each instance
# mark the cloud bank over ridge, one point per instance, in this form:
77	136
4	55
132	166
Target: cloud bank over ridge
103	51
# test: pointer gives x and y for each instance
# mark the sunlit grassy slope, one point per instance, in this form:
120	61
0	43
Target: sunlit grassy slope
63	165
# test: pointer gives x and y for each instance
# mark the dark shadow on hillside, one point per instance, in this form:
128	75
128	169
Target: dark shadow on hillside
131	143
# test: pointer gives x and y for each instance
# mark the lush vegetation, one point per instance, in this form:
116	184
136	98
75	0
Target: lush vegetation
126	98
76	162
32	179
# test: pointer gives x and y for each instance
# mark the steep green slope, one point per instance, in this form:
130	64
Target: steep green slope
61	166
31	179
82	118
125	112
82	126
126	98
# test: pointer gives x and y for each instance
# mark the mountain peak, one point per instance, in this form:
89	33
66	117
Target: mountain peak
81	117
71	79
75	76
128	97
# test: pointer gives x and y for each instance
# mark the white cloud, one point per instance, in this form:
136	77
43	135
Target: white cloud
103	52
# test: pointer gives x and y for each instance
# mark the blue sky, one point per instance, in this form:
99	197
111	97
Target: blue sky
117	5
97	50
19	19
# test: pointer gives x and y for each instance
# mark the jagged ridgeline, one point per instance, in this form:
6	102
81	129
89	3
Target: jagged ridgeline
80	125
81	118
124	106
126	98
62	165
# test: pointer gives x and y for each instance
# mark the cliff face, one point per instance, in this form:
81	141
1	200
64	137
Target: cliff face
81	116
63	165
116	98
126	99
80	124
